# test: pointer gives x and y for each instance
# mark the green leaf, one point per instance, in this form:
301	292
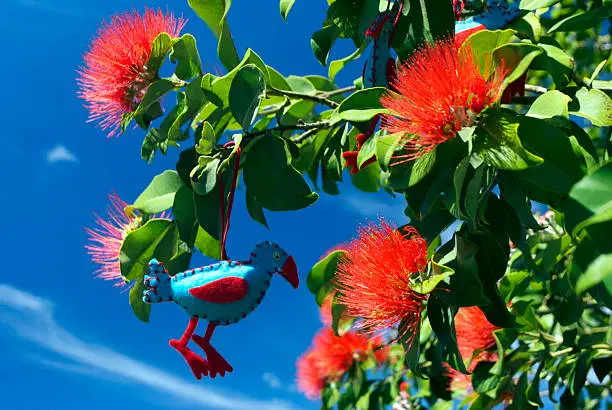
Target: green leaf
438	274
272	180
207	212
183	212
413	350
322	42
537	4
245	94
204	176
159	195
594	105
422	20
159	50
513	193
466	276
441	318
421	167
594	191
514	283
357	381
367	151
556	62
207	140
483	43
285	8
220	86
590	200
600	270
155	239
255	210
214	14
517	58
497	142
482	380
154	92
362	105
141	309
207	245
337	65
323	271
551	104
367	179
530	25
561	169
533	390
185	52
583	21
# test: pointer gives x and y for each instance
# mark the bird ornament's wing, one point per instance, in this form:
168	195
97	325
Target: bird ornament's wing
224	290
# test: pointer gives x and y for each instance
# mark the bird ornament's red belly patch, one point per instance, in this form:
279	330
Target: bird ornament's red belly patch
224	290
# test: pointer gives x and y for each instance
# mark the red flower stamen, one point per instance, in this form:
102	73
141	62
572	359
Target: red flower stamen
440	90
374	278
115	76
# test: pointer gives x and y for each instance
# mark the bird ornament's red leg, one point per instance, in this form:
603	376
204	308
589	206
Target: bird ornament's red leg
198	366
216	363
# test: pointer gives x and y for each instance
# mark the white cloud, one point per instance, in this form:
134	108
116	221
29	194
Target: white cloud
31	318
271	380
60	153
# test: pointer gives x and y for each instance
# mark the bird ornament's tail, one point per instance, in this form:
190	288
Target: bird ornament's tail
157	284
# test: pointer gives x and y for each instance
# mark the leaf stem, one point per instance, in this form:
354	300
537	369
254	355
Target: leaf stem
561	352
303	96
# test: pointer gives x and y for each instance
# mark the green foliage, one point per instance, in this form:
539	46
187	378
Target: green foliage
544	280
159	195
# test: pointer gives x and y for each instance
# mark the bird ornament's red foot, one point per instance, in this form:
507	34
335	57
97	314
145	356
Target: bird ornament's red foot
198	365
216	363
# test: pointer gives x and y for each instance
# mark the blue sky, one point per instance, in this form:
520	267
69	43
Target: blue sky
67	340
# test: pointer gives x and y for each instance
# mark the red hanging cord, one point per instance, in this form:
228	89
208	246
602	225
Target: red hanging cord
226	212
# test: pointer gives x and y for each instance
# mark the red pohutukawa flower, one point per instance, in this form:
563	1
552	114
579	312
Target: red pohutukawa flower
331	356
115	76
440	90
474	339
106	239
374	278
311	375
474	332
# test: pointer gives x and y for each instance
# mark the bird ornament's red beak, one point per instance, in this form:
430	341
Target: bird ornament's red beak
289	272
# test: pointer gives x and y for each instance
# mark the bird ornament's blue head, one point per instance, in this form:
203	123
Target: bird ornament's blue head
274	259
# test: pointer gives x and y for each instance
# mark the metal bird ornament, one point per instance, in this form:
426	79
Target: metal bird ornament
222	294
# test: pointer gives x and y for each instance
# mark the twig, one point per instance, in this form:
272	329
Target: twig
302	96
535	89
305	135
271	110
338	91
320	125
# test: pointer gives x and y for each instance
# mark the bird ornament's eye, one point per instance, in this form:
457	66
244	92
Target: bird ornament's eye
276	255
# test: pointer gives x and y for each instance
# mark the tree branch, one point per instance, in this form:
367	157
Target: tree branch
303	96
305	135
311	126
338	91
535	89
